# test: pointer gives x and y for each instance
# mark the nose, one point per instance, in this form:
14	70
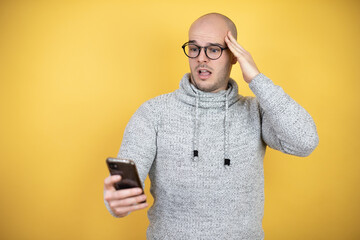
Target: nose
202	56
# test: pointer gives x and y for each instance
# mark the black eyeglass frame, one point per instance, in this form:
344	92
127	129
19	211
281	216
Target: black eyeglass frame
205	49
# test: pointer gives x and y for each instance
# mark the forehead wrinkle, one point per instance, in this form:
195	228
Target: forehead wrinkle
207	44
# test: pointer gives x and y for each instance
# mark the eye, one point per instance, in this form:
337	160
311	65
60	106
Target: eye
193	48
214	49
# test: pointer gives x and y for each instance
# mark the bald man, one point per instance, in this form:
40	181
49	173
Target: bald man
203	145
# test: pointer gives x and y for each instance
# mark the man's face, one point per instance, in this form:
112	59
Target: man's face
207	74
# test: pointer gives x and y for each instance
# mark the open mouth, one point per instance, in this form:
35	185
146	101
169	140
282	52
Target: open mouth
204	73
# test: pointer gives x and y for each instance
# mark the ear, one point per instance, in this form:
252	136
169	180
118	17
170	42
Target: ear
234	59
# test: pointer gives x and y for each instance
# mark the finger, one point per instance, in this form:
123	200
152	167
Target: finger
235	45
122	211
126	193
110	181
127	201
237	53
234	41
232	38
122	194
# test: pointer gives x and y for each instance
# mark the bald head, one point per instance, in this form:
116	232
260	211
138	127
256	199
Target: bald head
216	20
208	74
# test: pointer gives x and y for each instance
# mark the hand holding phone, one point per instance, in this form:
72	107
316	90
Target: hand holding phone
123	190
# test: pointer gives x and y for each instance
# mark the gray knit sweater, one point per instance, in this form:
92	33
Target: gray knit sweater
182	139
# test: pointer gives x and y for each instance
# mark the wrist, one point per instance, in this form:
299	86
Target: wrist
249	79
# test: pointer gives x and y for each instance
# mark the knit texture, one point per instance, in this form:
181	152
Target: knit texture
199	197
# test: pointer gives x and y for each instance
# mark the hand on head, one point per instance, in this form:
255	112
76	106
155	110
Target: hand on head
247	64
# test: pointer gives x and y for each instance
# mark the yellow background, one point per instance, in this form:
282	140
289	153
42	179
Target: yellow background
73	72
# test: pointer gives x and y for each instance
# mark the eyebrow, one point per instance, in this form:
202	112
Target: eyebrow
208	44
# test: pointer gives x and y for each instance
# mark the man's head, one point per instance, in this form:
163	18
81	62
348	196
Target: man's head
207	74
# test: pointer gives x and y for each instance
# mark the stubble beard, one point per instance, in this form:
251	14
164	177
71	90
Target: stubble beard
217	84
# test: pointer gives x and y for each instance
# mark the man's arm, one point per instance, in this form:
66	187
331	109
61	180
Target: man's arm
139	145
286	126
139	140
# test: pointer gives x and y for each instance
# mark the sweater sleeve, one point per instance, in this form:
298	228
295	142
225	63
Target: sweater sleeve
139	141
286	126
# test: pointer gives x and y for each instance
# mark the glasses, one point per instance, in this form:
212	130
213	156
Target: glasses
212	51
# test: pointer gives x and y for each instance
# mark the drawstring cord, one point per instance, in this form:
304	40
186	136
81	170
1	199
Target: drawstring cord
195	140
226	135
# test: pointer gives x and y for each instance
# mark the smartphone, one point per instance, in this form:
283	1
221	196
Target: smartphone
127	170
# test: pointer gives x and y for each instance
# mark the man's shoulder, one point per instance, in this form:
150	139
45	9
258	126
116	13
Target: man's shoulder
156	104
159	100
153	109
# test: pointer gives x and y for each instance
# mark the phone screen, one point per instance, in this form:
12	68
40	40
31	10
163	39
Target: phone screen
127	170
